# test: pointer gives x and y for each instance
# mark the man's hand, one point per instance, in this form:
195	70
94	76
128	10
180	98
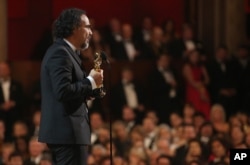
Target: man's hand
97	76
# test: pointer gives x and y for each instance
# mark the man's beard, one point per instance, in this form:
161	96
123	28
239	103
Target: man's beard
85	46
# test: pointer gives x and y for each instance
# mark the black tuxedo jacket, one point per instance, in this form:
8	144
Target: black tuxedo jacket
118	94
220	79
16	94
121	53
65	88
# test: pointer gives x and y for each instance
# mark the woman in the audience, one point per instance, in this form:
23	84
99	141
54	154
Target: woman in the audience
197	79
218	119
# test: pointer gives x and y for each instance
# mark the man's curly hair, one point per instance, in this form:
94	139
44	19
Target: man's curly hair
68	20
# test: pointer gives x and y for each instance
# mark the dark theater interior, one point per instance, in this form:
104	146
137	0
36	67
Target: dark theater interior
177	80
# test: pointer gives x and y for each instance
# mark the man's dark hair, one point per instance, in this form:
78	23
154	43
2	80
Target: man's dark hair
68	20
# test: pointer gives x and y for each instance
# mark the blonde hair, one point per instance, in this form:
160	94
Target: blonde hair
217	108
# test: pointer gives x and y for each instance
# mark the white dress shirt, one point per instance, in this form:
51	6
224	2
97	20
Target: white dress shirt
130	95
5	84
130	49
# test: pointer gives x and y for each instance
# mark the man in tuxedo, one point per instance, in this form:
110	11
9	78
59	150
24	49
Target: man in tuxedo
180	48
128	93
128	49
164	88
66	88
223	80
10	98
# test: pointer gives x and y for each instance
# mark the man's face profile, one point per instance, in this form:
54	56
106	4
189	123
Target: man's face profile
84	32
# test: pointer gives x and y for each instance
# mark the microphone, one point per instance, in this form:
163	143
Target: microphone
104	57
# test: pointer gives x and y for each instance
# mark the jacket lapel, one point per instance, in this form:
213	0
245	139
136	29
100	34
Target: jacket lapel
74	54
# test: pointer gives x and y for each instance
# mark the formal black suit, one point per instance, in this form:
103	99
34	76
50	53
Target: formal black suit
243	84
219	80
118	94
160	90
65	88
121	53
9	117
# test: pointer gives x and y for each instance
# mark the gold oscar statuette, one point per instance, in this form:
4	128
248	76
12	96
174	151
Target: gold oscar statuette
97	66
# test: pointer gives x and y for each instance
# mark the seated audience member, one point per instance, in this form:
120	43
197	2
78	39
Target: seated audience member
113	35
137	155
36	152
196	82
169	32
128	92
153	115
150	130
155	47
20	129
175	121
129	118
205	134
21	146
144	32
218	119
163	147
223	80
181	47
219	151
198	120
164	132
15	158
195	152
7	149
244	119
188	133
121	138
98	151
103	135
188	113
164	160
237	136
164	88
128	49
11	98
136	136
96	122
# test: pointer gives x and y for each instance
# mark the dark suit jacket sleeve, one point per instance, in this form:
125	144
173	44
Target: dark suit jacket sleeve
64	87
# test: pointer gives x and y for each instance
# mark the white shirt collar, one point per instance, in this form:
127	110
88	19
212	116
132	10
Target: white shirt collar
71	45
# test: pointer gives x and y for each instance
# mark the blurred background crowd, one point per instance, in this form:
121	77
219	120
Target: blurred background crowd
190	108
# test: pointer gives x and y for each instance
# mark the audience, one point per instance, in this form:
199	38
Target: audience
172	119
11	99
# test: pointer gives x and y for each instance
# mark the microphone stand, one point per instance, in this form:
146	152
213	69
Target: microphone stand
104	57
110	116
